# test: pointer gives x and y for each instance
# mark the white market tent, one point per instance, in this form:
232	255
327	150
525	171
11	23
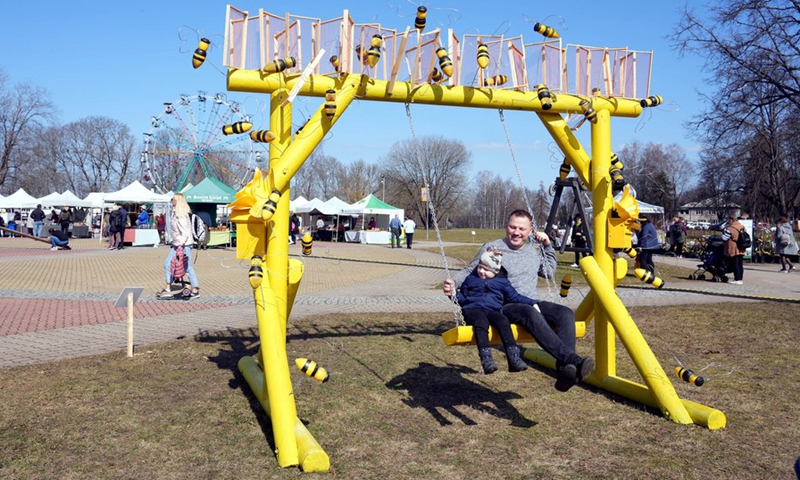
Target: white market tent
373	206
19	199
337	204
96	199
311	205
136	193
66	199
297	202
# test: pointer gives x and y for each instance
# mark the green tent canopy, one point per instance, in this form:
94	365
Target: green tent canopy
210	190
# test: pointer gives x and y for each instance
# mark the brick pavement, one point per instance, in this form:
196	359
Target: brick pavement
56	305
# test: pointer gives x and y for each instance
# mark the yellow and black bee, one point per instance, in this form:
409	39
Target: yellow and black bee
419	22
564	170
307	241
651	101
436	76
544	96
588	111
483	55
630	251
238	127
361	54
330	103
496	80
310	368
689	376
279	65
548	32
616	162
377	41
262	136
335	62
200	54
566	282
256	273
648	277
373	55
444	61
272	203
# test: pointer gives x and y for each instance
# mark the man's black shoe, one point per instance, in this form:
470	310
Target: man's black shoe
567	377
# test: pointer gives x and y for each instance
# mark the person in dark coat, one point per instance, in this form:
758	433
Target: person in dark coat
59	239
648	244
482	296
65	218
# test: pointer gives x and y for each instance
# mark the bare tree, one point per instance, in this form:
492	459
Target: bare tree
357	180
747	45
437	162
89	155
24	111
318	177
660	174
753	54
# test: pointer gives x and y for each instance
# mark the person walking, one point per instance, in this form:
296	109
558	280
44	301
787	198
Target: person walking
578	239
785	243
677	236
648	244
409	227
38	220
122	223
64	218
182	242
730	234
395	226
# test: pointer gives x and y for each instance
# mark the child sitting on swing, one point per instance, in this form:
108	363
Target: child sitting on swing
481	297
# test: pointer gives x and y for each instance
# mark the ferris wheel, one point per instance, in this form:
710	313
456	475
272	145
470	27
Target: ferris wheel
186	144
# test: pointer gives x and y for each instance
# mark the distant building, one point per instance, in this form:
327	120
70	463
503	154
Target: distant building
708	210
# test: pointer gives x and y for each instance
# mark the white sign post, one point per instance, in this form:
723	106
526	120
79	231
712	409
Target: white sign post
127	298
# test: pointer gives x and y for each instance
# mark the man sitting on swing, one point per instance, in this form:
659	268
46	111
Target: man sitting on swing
550	324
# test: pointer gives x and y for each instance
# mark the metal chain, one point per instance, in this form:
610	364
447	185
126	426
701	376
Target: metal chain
549	277
417	152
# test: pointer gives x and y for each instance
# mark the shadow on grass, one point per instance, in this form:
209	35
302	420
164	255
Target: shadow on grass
440	390
233	345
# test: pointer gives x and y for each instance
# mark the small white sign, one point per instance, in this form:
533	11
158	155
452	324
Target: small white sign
122	301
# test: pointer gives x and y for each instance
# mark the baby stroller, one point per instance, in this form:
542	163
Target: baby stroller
713	259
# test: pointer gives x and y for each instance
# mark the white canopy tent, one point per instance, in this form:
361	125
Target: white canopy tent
66	199
96	199
297	202
136	193
19	199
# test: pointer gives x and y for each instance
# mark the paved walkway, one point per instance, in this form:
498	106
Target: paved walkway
56	305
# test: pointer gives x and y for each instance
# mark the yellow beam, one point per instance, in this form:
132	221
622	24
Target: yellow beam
256	81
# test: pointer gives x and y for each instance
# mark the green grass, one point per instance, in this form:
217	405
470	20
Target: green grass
401	405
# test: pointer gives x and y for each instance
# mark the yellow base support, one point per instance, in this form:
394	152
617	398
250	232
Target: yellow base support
464	335
311	456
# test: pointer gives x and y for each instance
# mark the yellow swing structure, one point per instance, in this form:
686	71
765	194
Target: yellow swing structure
339	61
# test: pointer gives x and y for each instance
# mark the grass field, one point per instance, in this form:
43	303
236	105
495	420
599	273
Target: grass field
401	405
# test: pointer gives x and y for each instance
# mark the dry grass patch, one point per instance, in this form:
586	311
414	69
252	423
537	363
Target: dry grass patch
401	405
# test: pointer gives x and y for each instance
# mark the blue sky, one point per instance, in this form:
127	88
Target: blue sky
124	60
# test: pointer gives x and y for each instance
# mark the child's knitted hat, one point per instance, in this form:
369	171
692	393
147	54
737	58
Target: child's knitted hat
492	259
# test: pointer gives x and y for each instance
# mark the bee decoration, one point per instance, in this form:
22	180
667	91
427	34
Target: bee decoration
419	22
200	54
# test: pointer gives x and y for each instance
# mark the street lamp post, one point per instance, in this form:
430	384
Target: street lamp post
383	188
